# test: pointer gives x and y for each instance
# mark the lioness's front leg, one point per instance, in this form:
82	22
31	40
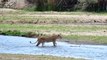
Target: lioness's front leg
38	44
54	43
42	44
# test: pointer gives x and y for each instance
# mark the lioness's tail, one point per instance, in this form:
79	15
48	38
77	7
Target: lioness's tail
33	43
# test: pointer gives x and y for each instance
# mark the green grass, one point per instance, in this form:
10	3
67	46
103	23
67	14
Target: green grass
24	22
50	17
88	39
30	11
15	17
53	27
32	57
61	29
81	38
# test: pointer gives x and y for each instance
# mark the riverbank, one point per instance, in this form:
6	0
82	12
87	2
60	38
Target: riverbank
75	27
21	45
32	57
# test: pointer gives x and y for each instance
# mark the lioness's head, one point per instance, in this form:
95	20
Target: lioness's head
59	36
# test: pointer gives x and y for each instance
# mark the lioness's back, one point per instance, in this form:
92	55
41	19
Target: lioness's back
52	38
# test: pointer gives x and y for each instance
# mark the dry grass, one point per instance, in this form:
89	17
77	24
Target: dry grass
32	57
93	30
52	19
67	23
18	16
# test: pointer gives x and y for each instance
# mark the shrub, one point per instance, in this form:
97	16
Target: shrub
18	33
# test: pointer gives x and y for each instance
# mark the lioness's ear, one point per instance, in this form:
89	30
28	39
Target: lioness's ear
53	34
59	34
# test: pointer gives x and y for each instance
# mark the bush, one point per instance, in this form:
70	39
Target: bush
30	8
18	33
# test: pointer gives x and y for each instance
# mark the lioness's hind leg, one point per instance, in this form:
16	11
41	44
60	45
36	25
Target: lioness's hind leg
38	44
54	43
43	44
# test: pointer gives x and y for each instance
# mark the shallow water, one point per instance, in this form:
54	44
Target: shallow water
21	45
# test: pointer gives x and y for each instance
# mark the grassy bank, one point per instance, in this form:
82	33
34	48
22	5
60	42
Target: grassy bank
80	39
32	57
75	26
19	16
75	39
53	27
17	12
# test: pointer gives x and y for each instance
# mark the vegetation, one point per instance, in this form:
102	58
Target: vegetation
84	39
72	25
76	27
51	27
68	32
72	5
32	57
87	5
26	17
18	33
65	5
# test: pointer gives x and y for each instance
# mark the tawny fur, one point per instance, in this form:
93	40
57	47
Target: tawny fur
43	39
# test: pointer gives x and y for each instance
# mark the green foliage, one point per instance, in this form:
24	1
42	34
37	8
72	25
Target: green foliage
9	32
18	33
71	5
93	5
89	39
64	5
47	7
88	1
50	7
15	32
30	8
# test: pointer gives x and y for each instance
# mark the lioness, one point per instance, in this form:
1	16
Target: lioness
43	39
